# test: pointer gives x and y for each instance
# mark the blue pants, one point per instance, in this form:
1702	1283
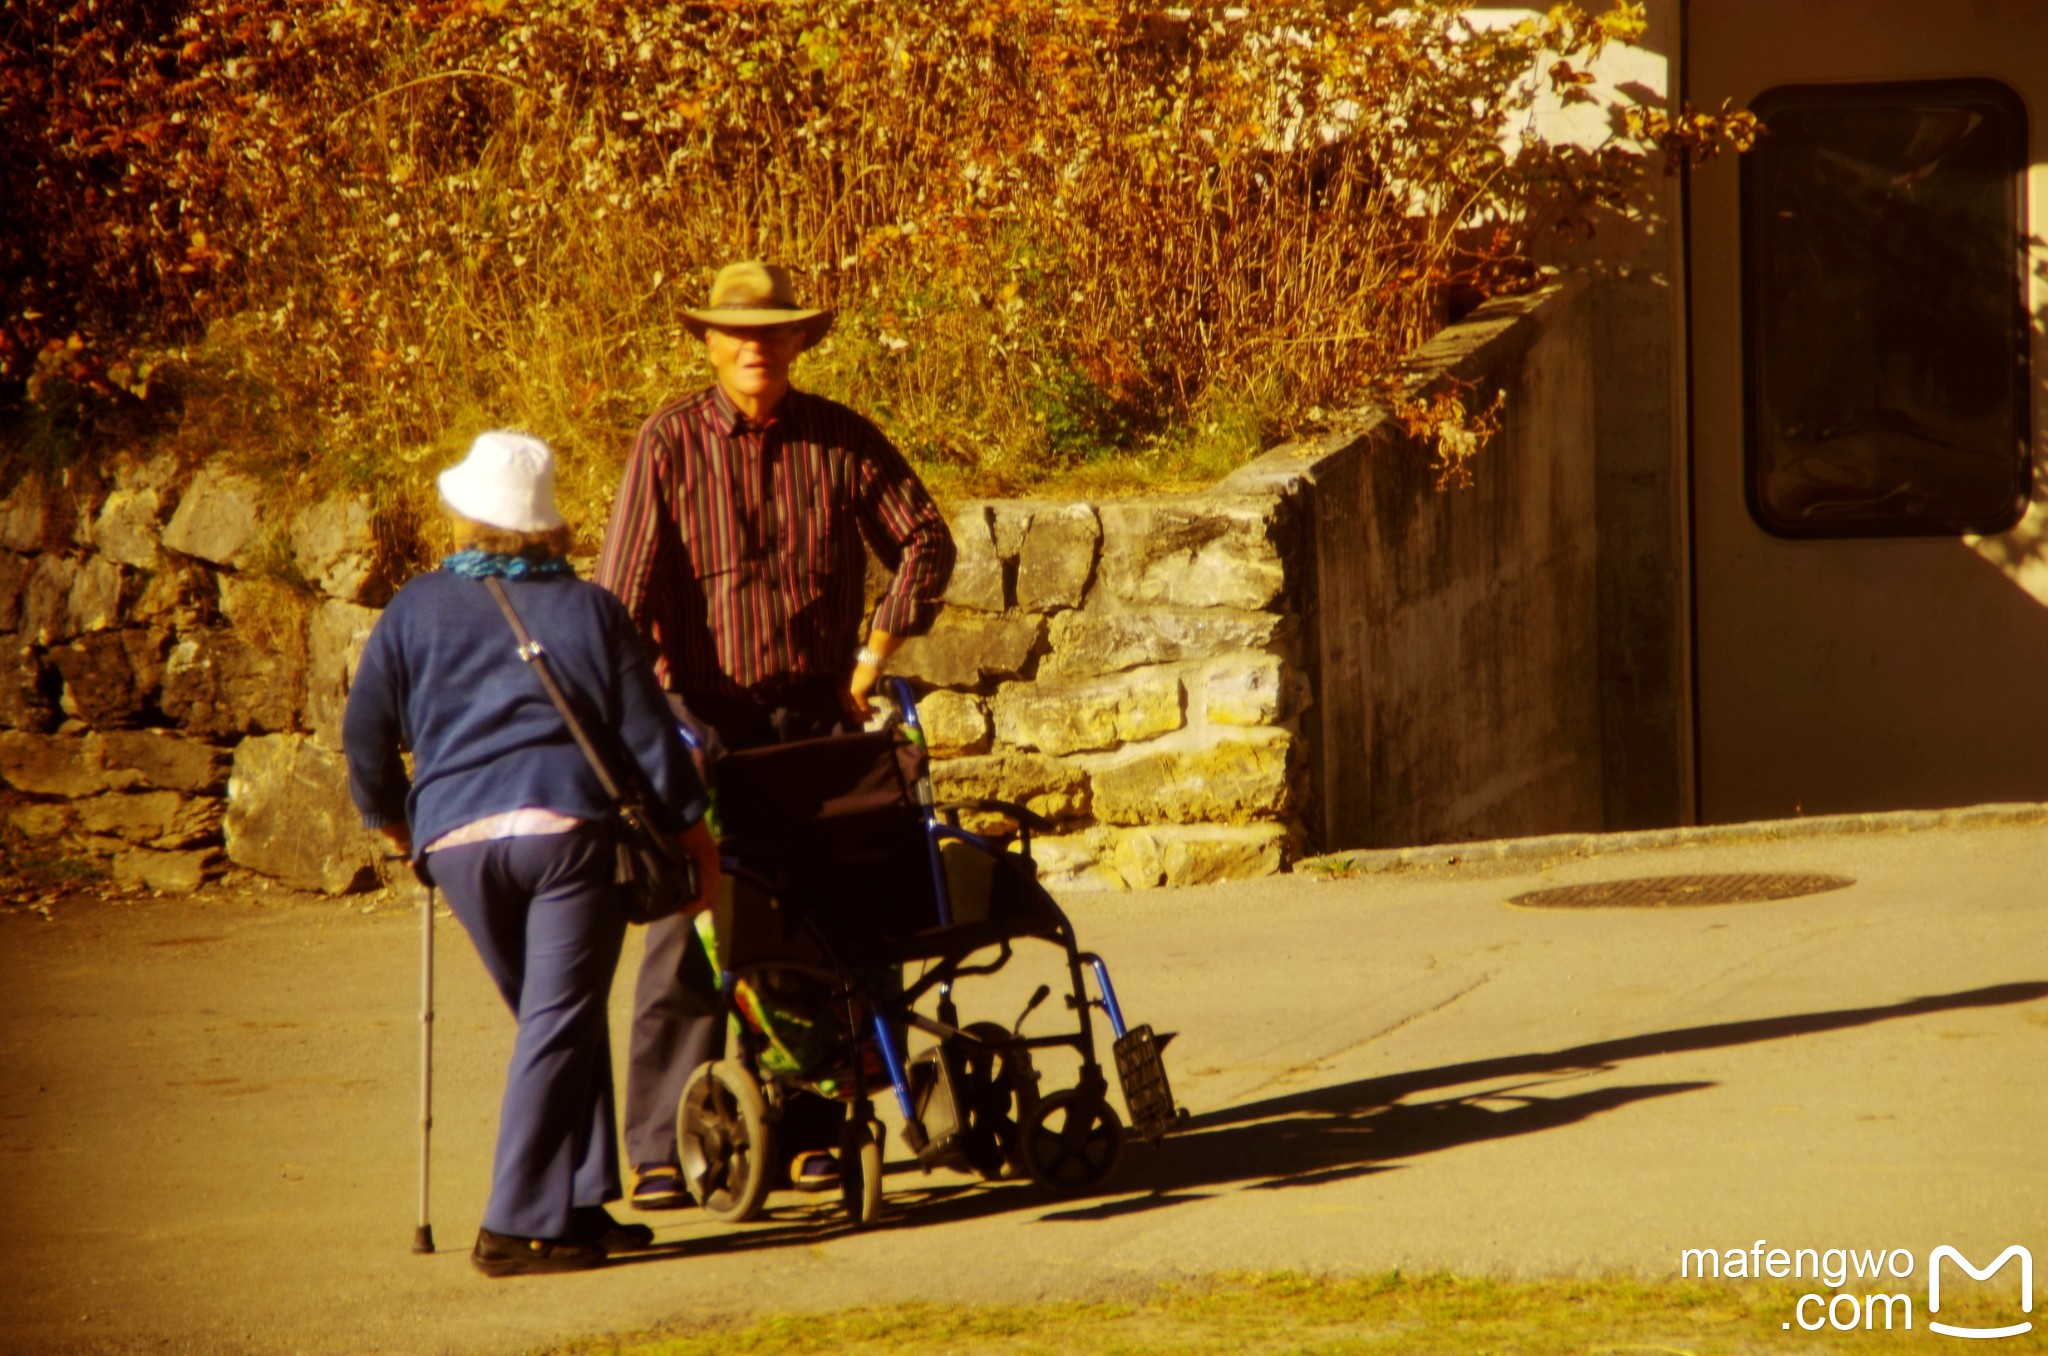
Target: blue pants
547	923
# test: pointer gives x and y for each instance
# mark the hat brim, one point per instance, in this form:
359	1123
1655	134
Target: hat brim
816	323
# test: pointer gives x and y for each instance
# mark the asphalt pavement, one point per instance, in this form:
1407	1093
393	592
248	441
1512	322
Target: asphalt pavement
208	1106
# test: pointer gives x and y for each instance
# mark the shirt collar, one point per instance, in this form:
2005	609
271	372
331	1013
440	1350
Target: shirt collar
731	421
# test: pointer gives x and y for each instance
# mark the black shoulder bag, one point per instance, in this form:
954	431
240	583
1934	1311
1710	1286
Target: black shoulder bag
655	878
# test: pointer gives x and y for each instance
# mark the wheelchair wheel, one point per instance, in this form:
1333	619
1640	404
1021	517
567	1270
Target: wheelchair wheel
723	1135
1069	1148
860	1170
998	1093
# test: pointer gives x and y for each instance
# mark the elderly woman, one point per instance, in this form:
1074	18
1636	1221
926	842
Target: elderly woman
509	818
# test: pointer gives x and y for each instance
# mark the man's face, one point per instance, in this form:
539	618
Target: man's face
752	363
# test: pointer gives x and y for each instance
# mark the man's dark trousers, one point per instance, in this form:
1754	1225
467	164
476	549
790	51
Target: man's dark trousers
675	1002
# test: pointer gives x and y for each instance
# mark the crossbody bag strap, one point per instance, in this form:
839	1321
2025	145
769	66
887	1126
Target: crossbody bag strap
531	652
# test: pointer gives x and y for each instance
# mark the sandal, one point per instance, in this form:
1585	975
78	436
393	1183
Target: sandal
659	1187
814	1170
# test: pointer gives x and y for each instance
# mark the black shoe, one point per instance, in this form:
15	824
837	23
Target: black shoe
505	1255
593	1224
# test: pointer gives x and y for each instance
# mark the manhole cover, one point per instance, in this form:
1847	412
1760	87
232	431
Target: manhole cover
1678	892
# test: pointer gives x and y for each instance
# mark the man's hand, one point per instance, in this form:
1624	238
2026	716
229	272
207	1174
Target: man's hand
400	838
867	671
703	850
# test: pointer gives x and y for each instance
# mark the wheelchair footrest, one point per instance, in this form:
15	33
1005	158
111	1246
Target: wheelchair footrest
1147	1094
937	1138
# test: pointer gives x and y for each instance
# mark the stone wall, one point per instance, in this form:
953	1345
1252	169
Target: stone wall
174	655
1323	651
1129	670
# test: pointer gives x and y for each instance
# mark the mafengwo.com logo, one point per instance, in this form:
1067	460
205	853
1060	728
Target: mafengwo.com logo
1875	1289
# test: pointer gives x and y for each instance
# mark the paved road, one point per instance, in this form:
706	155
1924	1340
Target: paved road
207	1134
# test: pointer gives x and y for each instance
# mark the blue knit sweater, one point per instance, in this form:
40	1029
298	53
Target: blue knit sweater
441	675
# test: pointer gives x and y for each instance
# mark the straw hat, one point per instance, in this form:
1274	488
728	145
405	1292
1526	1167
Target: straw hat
507	481
755	294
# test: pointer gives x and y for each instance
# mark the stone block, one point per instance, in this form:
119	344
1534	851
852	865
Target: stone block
21	516
219	518
1046	786
46	600
14	576
963	646
110	678
954	722
335	637
94	603
1139	858
977	580
51	765
1075	862
1247	690
1057	558
1191	553
1183	854
1207	855
174	873
128	527
289	816
1230	780
198	823
163	760
158	474
1009	520
41	820
215	685
335	545
1061	718
1090	643
178	591
28	699
137	817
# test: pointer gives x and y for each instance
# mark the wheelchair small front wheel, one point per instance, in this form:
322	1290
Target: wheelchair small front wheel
724	1141
1070	1145
860	1170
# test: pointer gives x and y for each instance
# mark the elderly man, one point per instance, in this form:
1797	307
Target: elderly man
736	545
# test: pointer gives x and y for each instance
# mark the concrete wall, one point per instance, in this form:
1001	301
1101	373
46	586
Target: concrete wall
1453	635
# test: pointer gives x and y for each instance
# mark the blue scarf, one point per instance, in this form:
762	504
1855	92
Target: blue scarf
474	563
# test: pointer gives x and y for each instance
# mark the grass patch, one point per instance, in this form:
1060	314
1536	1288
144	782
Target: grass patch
1413	1315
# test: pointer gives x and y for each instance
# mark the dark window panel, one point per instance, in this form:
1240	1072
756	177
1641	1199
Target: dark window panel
1884	321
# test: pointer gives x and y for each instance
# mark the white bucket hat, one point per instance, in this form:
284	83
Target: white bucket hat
507	480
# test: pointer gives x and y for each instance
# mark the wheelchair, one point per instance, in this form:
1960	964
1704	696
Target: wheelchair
842	874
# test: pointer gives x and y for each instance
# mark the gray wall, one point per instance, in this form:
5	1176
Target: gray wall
1453	636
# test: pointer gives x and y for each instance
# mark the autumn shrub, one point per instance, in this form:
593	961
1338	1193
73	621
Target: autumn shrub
338	236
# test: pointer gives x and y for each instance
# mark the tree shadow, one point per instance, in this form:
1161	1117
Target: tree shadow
1331	1134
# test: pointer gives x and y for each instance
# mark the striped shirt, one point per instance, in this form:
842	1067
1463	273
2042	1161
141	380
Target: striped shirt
736	545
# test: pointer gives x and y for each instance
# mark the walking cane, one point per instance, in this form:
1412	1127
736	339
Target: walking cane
423	1235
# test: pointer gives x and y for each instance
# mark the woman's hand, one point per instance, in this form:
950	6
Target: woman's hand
703	850
400	837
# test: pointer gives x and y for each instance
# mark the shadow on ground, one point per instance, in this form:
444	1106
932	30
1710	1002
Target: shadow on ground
1347	1130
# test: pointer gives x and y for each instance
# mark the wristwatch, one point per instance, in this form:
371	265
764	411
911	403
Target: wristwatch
865	655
